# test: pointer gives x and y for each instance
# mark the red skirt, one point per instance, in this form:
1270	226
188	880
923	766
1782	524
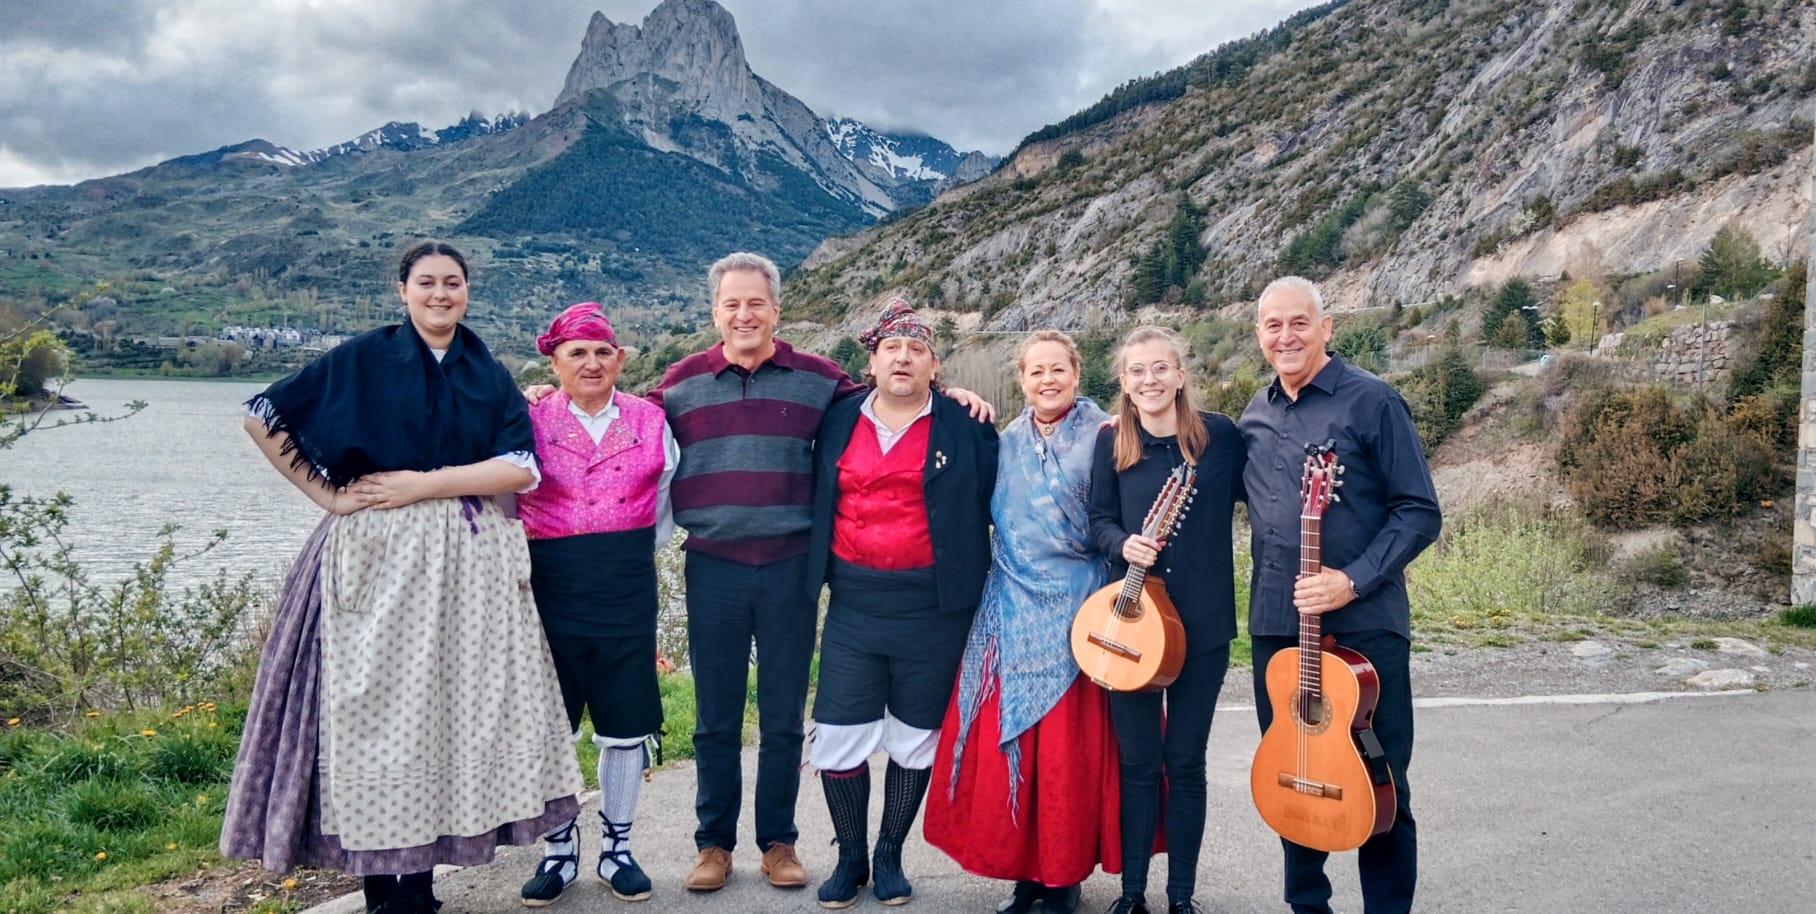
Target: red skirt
1068	803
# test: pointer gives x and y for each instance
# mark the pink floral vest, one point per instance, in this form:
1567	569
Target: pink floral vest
593	488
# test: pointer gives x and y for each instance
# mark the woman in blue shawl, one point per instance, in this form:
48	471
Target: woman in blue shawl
1027	787
406	712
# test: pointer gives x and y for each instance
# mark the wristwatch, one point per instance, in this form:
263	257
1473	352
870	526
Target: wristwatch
1353	592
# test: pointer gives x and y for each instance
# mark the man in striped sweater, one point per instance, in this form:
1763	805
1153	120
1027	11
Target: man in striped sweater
744	413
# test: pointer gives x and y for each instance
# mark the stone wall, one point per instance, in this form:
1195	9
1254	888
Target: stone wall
1686	361
1803	530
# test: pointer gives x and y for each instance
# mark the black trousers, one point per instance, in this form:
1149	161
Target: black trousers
1167	731
1388	862
729	606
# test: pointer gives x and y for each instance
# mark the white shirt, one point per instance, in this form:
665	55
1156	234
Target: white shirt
885	436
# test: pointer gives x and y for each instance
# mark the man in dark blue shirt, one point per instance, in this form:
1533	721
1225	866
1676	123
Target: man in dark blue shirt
1387	515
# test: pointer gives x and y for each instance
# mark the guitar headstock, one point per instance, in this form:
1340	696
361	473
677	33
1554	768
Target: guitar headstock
1174	500
1318	487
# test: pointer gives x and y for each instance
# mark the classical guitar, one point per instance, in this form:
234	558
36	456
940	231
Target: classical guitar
1320	778
1127	637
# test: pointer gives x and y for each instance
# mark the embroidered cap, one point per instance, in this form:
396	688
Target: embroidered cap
898	319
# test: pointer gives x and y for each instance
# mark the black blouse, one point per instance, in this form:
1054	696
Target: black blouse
1197	563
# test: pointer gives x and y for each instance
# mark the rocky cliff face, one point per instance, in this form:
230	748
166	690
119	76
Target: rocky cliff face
682	84
1398	151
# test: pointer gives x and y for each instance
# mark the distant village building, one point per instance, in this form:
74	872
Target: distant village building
279	338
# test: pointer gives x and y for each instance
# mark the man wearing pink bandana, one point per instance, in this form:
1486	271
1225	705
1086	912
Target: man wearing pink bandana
593	526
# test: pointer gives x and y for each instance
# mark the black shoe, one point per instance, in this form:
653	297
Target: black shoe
840	890
1027	895
1063	900
547	885
848	803
1129	904
892	886
628	882
1184	907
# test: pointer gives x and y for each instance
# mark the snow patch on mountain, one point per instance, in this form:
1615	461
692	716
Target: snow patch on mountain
905	156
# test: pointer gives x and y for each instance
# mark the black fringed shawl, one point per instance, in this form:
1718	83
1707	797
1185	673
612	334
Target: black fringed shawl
380	401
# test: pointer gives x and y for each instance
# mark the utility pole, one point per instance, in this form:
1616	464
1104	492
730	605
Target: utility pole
1702	345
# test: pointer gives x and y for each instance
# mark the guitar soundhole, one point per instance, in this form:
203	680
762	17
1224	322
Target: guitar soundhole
1312	715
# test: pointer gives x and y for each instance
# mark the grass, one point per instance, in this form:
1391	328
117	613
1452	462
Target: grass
1799	616
116	802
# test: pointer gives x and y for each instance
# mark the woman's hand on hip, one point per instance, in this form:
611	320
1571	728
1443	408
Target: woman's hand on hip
390	489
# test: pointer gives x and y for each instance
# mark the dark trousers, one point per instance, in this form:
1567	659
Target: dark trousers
1153	739
1388	862
730	604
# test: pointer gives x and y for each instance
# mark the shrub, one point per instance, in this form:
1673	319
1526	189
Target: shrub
1363	345
1660	568
1803	616
1765	390
1501	559
1635	457
1440	392
135	642
1231	395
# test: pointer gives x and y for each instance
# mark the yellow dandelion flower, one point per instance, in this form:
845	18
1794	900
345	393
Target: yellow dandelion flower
148	732
201	798
12	721
289	884
100	855
211	723
91	712
171	846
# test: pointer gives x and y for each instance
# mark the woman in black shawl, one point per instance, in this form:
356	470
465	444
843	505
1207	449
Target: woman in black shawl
406	711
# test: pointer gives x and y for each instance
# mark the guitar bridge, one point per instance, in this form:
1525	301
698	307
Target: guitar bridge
1113	646
1311	787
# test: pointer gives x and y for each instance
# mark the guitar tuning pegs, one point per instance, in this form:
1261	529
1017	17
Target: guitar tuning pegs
1340	469
1337	484
1335	497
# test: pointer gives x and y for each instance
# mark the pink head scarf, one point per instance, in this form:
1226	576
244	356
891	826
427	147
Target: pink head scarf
585	321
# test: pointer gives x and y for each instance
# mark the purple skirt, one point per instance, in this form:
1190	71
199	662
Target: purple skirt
273	814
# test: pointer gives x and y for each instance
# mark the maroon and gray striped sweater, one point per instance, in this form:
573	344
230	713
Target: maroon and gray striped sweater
744	488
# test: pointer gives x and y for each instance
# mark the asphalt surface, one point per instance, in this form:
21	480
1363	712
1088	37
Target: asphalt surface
1659	804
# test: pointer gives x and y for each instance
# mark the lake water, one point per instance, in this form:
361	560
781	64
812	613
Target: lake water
185	460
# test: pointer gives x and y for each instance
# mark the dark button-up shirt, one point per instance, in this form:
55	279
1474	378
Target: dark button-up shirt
1387	513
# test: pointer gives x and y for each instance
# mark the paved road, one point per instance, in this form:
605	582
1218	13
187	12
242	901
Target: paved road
1675	804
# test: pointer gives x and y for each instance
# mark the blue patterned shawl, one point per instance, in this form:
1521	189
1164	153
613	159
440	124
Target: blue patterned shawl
1043	565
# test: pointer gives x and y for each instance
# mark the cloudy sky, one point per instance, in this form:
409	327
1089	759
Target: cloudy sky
97	87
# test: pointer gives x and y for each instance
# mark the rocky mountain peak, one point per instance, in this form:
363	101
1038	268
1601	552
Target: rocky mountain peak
692	43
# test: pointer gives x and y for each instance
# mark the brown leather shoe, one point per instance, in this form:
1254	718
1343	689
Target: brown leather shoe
709	872
783	868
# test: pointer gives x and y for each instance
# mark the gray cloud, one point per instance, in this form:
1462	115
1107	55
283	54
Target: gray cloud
90	87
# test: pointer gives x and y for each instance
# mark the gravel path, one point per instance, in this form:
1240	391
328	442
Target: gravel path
1542	668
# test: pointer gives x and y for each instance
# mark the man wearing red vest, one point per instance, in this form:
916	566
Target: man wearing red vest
901	532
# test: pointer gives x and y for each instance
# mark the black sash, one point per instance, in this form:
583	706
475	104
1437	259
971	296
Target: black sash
596	584
891	612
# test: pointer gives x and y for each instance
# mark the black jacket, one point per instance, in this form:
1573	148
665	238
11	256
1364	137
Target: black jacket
1196	564
959	473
